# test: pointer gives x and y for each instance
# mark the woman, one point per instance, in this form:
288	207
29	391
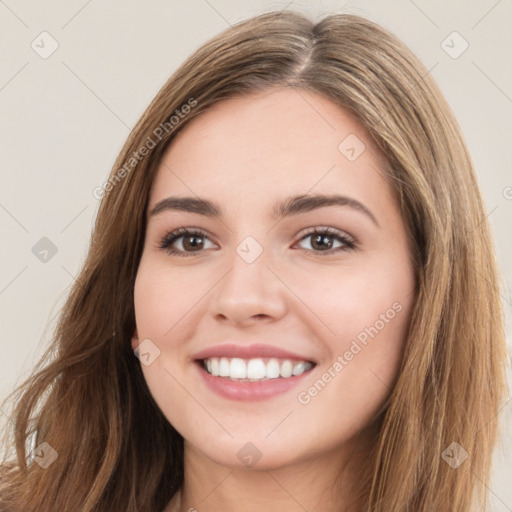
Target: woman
293	244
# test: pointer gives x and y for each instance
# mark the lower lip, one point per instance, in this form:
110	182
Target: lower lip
244	391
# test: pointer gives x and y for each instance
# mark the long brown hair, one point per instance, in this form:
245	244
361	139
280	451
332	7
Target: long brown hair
88	399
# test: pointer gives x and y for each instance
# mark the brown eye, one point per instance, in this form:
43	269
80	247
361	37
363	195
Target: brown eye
183	241
324	240
321	242
192	242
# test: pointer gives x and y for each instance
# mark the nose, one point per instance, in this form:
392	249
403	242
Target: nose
250	292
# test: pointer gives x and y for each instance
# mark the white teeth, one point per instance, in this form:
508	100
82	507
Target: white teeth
254	369
238	368
273	369
224	367
299	368
286	369
214	362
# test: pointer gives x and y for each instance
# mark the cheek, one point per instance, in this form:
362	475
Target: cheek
349	301
159	307
162	298
364	313
364	360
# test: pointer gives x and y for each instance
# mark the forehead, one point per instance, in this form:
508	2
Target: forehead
271	144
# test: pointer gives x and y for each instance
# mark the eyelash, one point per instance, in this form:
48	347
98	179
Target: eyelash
170	238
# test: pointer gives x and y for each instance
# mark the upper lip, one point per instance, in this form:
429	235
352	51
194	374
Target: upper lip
248	352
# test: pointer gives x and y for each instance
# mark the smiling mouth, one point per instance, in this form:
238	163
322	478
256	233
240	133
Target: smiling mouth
254	369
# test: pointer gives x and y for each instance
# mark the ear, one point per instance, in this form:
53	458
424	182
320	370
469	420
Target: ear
135	339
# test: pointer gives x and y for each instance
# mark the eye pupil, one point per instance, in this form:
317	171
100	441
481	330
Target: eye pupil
197	242
322	240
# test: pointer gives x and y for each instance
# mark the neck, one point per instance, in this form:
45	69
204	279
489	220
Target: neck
325	483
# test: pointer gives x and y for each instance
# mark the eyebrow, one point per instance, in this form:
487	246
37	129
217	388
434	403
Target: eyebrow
291	206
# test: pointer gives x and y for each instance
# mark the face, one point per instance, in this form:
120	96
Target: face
272	306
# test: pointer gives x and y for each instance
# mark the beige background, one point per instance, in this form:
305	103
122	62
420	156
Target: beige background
64	119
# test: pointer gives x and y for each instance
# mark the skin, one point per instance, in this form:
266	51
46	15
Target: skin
245	154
